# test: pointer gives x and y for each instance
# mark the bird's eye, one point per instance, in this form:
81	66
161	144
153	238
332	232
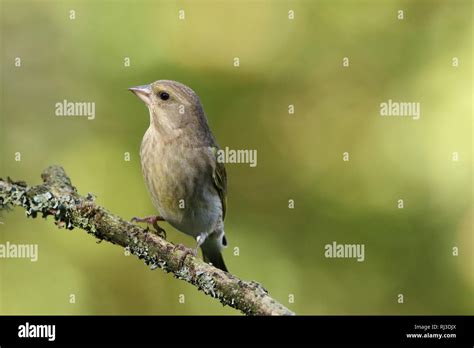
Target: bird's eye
164	96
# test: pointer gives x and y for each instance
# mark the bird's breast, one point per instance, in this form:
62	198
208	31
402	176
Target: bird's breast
179	179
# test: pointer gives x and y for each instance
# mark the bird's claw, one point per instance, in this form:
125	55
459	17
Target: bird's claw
152	220
186	251
159	230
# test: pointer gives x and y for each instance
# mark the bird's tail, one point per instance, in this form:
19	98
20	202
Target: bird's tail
211	253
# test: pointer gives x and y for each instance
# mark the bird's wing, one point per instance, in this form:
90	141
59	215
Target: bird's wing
220	182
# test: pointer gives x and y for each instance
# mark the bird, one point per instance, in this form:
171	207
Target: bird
179	161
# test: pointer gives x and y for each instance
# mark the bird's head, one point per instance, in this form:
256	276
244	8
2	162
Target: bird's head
172	105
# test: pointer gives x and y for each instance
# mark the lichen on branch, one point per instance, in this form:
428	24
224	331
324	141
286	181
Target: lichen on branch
57	197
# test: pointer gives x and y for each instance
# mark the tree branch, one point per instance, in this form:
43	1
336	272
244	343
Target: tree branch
57	197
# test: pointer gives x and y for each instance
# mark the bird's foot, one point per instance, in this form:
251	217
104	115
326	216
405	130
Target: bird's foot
152	220
186	251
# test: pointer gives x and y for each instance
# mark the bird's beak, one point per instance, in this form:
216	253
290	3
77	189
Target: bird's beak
142	92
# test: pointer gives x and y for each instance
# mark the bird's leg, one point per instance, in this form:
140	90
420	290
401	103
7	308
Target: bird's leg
199	239
152	220
188	251
148	219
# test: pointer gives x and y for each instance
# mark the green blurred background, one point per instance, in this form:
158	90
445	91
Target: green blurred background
407	251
